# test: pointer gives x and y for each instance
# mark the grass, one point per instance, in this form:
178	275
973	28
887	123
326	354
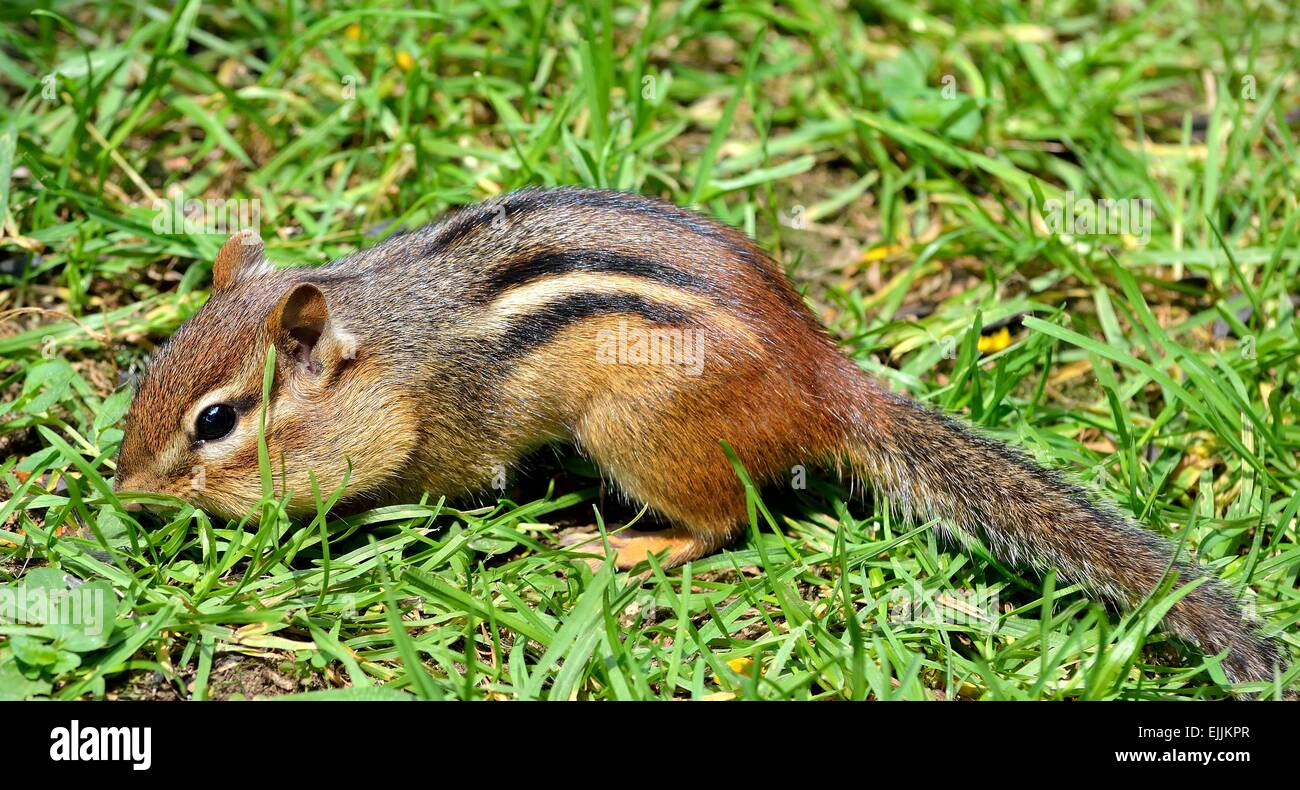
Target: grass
897	157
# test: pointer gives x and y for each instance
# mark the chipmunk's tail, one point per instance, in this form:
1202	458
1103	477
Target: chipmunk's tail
933	466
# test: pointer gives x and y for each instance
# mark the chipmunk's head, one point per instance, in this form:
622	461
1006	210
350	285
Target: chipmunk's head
193	428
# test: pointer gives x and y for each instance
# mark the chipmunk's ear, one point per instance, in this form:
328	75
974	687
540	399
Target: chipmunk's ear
242	253
306	336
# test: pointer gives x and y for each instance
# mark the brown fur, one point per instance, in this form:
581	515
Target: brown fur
436	358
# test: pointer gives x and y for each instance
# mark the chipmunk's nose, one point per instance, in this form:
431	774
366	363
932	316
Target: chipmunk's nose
126	483
121	484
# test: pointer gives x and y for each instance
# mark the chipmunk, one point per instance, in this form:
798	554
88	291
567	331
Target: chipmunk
429	361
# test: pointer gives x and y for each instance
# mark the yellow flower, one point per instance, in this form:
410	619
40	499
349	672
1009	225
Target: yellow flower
880	253
738	665
996	341
353	31
404	61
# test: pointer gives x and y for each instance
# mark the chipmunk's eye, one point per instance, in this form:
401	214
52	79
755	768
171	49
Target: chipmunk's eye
215	422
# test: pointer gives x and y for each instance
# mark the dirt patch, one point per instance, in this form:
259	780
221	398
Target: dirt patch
233	677
152	686
248	677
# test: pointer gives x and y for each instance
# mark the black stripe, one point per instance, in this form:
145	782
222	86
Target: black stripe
527	332
470	220
691	221
524	270
467	222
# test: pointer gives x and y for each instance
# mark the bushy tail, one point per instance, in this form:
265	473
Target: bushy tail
936	467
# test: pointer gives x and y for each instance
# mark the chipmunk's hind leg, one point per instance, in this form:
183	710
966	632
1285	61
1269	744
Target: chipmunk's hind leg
697	491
